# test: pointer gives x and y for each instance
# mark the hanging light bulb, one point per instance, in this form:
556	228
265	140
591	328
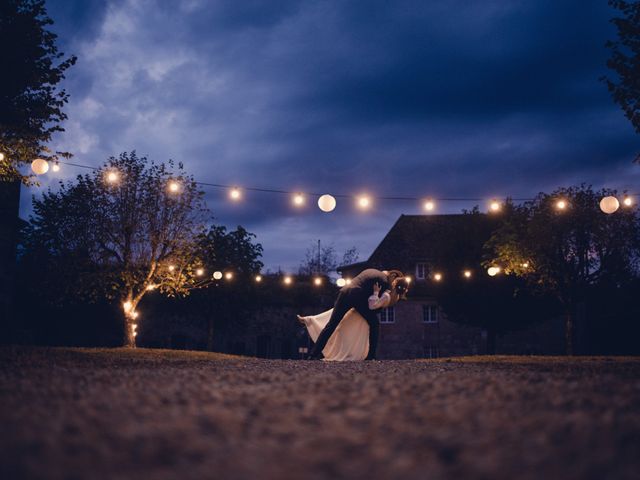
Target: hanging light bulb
364	202
258	278
235	194
609	204
341	282
217	275
493	271
56	167
326	203
628	201
112	176
467	274
429	205
288	280
495	206
437	277
298	200
199	272
317	281
173	186
562	204
228	275
40	166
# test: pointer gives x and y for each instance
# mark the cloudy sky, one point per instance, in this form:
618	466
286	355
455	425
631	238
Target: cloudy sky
448	98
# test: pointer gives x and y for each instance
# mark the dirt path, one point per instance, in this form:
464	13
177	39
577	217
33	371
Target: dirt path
172	415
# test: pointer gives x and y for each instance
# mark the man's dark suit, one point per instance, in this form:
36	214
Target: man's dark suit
356	295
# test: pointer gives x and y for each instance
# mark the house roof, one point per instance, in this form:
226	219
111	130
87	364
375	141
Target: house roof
436	239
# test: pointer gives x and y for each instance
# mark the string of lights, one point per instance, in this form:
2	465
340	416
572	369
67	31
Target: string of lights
327	202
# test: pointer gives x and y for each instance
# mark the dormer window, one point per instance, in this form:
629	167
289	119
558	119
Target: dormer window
421	271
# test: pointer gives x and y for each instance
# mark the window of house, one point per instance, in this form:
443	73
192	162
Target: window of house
430	313
387	315
421	271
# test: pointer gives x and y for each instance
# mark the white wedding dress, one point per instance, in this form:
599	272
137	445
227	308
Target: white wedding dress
350	340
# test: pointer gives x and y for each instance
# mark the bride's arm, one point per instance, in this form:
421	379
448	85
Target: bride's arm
376	302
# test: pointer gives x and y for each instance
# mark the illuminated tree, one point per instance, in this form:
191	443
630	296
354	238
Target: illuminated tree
566	251
129	228
30	103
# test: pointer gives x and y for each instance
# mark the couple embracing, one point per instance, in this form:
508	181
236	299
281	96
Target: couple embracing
349	331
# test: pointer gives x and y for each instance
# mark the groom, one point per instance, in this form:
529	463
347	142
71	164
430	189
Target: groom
356	295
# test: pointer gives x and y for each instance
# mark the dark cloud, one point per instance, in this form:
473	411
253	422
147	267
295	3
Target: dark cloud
446	98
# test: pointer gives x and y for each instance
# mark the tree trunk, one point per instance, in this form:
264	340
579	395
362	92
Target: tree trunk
568	332
129	340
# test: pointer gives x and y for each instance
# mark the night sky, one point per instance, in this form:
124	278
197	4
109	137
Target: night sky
393	98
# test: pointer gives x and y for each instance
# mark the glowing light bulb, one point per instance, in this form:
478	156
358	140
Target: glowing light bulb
298	199
408	279
174	186
199	272
171	268
258	278
467	274
347	281
327	203
341	282
40	166
495	206
364	202
235	194
628	201
288	280
317	281
561	204
151	287
1	156
493	271
126	306
217	275
525	265
112	177
228	275
429	205
56	167
437	277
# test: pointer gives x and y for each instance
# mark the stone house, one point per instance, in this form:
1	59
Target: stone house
431	248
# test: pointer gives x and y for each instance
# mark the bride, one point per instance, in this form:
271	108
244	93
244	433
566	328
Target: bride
350	341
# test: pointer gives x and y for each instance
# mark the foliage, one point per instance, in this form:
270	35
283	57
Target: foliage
563	252
625	60
30	102
119	239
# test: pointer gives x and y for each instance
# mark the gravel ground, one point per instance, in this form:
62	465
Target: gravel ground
157	414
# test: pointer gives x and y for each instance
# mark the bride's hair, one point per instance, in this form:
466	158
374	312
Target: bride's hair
393	274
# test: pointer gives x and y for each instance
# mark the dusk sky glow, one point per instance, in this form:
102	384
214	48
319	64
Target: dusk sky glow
413	98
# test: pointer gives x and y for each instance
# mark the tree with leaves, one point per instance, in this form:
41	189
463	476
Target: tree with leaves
566	251
625	61
236	253
31	104
130	227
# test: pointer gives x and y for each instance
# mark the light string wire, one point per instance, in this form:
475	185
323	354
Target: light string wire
315	194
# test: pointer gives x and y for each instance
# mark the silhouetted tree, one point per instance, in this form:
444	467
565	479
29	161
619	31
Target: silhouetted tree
625	61
232	253
30	102
120	236
321	260
563	252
